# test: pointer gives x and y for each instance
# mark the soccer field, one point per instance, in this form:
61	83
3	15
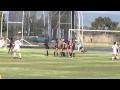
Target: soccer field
35	65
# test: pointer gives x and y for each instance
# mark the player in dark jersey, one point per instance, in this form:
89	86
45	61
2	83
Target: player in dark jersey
11	45
61	47
73	47
68	48
56	47
46	46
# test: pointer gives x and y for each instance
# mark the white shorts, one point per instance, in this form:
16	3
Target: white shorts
16	50
114	52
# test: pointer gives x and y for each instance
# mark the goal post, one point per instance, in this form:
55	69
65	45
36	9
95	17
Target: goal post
77	34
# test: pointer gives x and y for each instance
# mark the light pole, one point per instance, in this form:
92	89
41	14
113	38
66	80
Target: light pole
44	17
2	22
78	26
59	25
44	23
17	18
29	21
82	24
22	26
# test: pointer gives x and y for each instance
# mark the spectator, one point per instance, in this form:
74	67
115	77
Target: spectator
91	38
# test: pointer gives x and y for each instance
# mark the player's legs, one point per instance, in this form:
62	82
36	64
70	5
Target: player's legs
67	51
116	56
18	51
14	51
9	50
19	54
61	51
14	55
47	52
73	52
56	51
113	56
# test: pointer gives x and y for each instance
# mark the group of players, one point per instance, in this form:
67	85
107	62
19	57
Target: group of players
66	48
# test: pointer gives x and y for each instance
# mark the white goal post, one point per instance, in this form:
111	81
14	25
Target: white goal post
79	34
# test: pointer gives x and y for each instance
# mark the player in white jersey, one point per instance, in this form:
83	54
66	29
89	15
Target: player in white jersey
16	48
114	47
2	42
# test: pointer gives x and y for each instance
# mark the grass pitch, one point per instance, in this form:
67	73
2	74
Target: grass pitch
35	65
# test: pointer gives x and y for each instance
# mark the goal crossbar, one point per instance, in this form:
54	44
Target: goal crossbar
95	30
15	22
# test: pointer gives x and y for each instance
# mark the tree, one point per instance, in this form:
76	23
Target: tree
103	22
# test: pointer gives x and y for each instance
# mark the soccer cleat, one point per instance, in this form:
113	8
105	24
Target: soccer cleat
117	58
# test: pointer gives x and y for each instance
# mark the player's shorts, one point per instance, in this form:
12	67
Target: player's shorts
55	49
114	52
16	50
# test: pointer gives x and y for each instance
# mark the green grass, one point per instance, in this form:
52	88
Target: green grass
35	65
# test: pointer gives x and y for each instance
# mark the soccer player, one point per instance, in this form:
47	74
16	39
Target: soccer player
2	42
16	48
82	49
56	48
73	48
62	48
114	47
79	45
118	48
46	46
11	45
68	47
91	38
